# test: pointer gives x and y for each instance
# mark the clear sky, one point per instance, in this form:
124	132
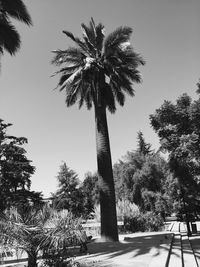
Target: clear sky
165	32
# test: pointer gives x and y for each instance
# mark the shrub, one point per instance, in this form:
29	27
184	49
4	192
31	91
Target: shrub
126	209
134	220
153	222
134	223
143	222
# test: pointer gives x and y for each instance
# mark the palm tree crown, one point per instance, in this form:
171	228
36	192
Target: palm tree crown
9	37
98	70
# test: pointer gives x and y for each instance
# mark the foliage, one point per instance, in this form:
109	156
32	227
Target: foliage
9	37
126	209
97	213
64	230
178	127
94	57
98	72
141	178
134	223
68	196
89	188
135	220
15	172
143	147
39	230
143	222
127	212
153	222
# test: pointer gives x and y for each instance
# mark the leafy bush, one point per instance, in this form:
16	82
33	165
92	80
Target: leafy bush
153	222
134	220
126	208
134	223
143	222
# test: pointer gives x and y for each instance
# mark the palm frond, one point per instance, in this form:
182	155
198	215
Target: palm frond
9	37
70	80
129	57
93	36
93	28
85	94
17	10
117	92
90	38
123	82
81	44
99	36
88	99
73	93
67	70
109	99
69	56
114	39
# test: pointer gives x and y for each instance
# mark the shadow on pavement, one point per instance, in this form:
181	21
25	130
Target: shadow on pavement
144	244
195	242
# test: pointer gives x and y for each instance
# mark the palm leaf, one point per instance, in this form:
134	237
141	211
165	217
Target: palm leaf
17	10
73	93
9	37
72	78
109	99
89	34
82	45
71	55
119	36
88	99
90	45
85	94
117	92
99	36
67	70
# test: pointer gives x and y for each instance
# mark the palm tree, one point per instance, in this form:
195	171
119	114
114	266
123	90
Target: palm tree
9	37
38	230
97	72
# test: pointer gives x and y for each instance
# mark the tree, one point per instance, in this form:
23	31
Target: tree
140	179
9	37
143	147
98	72
89	188
15	171
178	127
38	229
68	196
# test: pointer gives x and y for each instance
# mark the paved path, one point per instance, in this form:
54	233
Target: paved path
138	250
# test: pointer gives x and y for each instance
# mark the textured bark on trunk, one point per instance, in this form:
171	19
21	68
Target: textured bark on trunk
109	231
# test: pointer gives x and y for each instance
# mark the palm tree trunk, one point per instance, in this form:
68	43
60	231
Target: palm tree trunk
109	231
32	259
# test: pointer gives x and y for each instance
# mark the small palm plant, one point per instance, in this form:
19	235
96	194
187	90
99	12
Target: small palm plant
38	230
98	72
